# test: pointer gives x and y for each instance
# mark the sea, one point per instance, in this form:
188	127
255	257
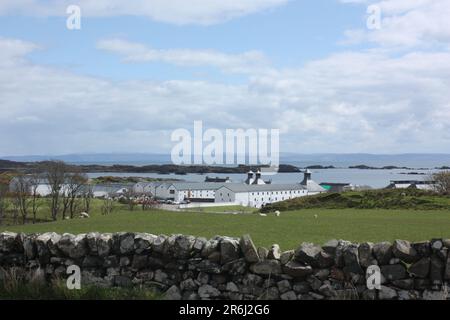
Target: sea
375	178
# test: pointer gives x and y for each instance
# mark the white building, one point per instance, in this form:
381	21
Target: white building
312	186
412	184
193	191
258	195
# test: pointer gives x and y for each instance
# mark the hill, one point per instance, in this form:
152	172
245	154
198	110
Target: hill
372	199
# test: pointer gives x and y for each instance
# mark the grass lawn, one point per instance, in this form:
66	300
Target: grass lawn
288	230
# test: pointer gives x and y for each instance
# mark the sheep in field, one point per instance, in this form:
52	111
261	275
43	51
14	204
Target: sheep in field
84	215
277	213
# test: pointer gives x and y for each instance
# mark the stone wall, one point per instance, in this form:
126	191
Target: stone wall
186	267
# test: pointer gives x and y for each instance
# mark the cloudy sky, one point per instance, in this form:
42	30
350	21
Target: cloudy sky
137	70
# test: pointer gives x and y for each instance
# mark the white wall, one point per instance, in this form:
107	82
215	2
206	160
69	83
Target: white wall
257	198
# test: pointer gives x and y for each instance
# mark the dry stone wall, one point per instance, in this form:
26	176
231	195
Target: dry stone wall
192	268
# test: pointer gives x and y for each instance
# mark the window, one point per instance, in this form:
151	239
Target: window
172	191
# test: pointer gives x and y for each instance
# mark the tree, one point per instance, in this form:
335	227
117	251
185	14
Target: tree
87	195
3	201
34	195
21	188
130	198
441	182
107	206
73	189
55	173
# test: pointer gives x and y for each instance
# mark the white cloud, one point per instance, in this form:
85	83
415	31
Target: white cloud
246	62
348	102
408	24
202	12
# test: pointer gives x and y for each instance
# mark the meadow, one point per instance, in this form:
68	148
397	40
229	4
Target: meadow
288	230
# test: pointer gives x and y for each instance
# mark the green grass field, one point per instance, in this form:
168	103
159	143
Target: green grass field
288	230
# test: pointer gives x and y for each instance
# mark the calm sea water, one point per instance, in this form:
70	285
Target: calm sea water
373	178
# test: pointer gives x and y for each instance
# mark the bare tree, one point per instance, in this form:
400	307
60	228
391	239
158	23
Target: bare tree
130	198
87	195
34	195
55	173
3	201
73	188
21	196
107	206
441	181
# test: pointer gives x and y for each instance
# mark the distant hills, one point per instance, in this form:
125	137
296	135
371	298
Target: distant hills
410	160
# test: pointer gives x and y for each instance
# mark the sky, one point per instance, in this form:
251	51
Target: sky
138	70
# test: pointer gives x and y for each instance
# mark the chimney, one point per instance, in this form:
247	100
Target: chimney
249	177
306	177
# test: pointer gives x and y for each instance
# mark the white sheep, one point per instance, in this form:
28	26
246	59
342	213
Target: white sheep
316	216
277	213
84	215
263	215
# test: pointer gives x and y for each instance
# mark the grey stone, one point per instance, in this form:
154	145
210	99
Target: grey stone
249	250
405	284
330	247
231	286
126	243
284	286
297	270
199	243
143	242
423	249
366	258
308	253
274	252
408	295
188	284
159	244
229	250
351	260
266	267
339	253
123	281
436	269
29	247
403	250
290	295
387	293
104	244
139	262
302	287
183	246
173	293
207	291
383	252
91	241
421	268
73	246
210	247
393	272
263	253
447	269
286	256
434	295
